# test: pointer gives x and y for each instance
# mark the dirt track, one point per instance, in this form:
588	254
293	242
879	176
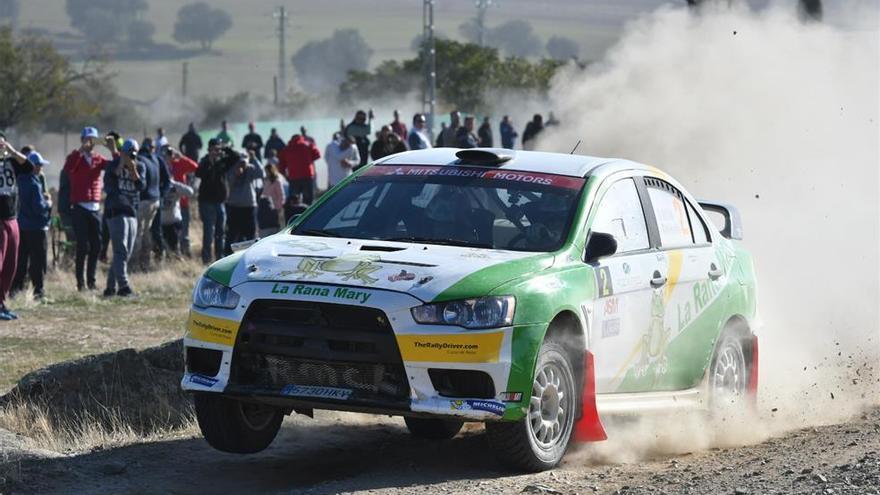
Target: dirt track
350	453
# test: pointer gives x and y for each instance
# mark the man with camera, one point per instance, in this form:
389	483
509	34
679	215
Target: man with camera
213	191
123	183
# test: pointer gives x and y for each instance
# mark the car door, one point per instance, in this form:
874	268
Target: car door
621	310
678	343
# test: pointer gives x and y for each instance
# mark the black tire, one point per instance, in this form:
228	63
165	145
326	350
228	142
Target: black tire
516	443
234	426
433	429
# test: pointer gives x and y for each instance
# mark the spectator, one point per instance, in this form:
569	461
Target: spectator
182	170
191	143
150	201
439	142
159	246
35	209
83	168
212	198
508	134
485	134
295	205
272	157
274	143
14	164
382	145
161	139
297	163
396	144
360	129
533	130
305	134
172	216
465	138
398	127
418	138
252	141
241	203
551	120
272	199
224	136
449	136
123	182
341	156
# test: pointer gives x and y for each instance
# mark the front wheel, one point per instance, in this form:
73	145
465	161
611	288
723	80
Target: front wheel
538	441
234	426
433	429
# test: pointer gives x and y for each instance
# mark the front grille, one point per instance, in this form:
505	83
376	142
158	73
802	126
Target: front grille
284	343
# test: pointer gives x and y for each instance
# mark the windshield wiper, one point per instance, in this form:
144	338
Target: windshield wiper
317	232
443	242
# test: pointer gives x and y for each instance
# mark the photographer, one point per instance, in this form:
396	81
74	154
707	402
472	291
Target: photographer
213	191
242	201
123	183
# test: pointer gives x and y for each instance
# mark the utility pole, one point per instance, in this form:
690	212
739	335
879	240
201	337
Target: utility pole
282	16
185	78
482	7
429	61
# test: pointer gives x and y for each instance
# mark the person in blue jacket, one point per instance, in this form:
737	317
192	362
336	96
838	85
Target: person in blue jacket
34	213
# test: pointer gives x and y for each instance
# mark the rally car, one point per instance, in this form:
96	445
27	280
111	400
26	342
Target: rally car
534	292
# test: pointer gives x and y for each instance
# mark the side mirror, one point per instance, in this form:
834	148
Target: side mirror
292	219
599	246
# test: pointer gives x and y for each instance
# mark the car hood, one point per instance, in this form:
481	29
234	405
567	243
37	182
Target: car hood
426	271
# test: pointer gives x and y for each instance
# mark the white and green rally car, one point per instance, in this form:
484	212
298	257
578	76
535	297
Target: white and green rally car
535	292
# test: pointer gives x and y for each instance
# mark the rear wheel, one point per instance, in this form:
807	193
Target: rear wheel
433	429
728	373
234	426
538	441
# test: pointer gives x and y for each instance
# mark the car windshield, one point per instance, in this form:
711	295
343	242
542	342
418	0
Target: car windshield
458	206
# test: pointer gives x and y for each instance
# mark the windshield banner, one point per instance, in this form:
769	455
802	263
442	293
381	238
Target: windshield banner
477	173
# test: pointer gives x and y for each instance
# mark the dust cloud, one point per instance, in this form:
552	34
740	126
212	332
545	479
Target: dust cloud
780	118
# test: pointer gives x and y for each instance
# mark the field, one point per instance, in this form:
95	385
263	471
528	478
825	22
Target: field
247	56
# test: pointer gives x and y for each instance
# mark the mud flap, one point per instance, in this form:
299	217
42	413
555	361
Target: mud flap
752	386
589	428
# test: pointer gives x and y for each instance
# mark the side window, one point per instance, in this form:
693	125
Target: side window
620	214
671	214
701	232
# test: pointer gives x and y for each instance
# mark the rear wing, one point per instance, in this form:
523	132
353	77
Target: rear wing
732	221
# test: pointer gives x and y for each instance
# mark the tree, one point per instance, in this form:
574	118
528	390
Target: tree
562	48
9	10
324	64
200	23
140	33
34	78
105	21
515	38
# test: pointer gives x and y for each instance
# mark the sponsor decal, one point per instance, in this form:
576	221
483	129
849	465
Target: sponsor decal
315	291
479	173
345	269
403	275
210	329
313	246
626	268
510	396
202	380
451	348
603	278
611	328
317	392
611	307
655	341
422	281
493	407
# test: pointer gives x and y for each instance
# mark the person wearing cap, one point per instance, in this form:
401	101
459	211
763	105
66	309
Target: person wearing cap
35	208
83	169
252	141
12	165
123	182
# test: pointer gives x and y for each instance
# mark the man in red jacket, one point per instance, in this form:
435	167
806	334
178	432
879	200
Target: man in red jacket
83	168
297	162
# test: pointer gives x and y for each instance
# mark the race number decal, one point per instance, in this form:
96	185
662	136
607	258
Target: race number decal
603	278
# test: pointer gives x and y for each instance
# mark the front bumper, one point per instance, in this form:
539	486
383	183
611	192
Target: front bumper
328	373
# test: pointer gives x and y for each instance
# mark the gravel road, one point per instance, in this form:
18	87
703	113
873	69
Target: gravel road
362	454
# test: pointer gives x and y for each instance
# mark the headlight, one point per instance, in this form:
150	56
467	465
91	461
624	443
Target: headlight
482	312
209	293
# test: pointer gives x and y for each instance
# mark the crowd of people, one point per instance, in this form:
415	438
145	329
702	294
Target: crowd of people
132	208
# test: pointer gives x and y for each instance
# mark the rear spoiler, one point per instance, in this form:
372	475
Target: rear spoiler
732	221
